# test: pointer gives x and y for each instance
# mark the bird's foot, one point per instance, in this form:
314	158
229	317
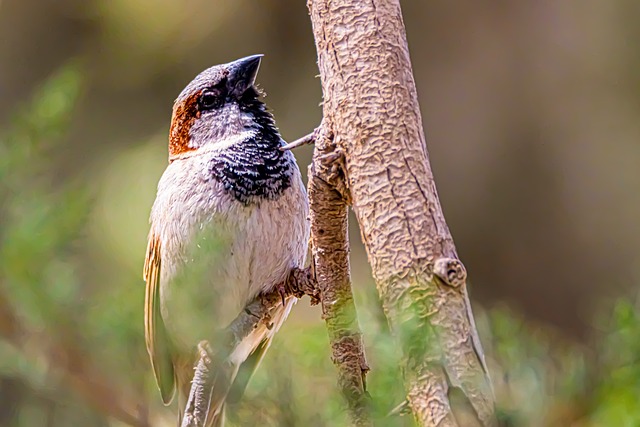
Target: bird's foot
282	290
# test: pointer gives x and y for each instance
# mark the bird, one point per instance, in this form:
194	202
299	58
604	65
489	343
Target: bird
228	224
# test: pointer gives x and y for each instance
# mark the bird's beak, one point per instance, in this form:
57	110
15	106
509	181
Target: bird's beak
242	74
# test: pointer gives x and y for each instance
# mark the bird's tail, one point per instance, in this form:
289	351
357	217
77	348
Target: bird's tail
217	420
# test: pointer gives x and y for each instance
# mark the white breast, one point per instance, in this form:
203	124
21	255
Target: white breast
218	253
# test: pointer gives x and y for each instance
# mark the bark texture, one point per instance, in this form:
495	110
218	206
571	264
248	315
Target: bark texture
371	108
330	246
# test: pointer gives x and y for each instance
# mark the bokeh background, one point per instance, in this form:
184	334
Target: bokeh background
531	111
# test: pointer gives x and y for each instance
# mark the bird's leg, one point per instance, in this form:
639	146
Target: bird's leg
284	288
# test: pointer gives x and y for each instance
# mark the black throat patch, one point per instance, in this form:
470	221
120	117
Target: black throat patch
255	169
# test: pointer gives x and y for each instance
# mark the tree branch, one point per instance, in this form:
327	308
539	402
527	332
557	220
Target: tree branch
371	104
330	245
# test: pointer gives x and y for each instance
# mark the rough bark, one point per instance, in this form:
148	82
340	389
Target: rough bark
371	108
330	247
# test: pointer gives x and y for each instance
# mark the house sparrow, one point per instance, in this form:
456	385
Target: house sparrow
229	222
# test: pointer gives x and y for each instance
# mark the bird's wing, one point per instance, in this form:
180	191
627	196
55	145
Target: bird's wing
246	370
278	315
155	332
230	377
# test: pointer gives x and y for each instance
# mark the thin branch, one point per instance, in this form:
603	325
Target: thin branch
305	140
330	245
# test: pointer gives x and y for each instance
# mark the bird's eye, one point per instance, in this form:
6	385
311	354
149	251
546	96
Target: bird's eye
210	99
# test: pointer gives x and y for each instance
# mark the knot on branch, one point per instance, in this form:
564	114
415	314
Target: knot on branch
302	282
329	164
450	271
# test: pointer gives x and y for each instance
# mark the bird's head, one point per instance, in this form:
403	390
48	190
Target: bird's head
219	106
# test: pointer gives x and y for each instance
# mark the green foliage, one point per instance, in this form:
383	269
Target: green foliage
39	222
618	377
41	270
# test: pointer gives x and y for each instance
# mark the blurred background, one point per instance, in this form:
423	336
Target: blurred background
531	111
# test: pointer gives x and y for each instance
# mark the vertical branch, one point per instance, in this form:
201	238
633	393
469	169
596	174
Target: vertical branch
330	247
370	99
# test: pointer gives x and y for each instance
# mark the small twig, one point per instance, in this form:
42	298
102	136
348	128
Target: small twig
401	409
305	140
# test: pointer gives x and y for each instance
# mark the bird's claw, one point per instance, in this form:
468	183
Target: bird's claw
283	293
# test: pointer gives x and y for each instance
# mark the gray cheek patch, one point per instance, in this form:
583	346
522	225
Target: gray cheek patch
218	125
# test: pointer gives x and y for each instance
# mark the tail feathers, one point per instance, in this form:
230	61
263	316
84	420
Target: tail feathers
217	420
245	372
222	383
